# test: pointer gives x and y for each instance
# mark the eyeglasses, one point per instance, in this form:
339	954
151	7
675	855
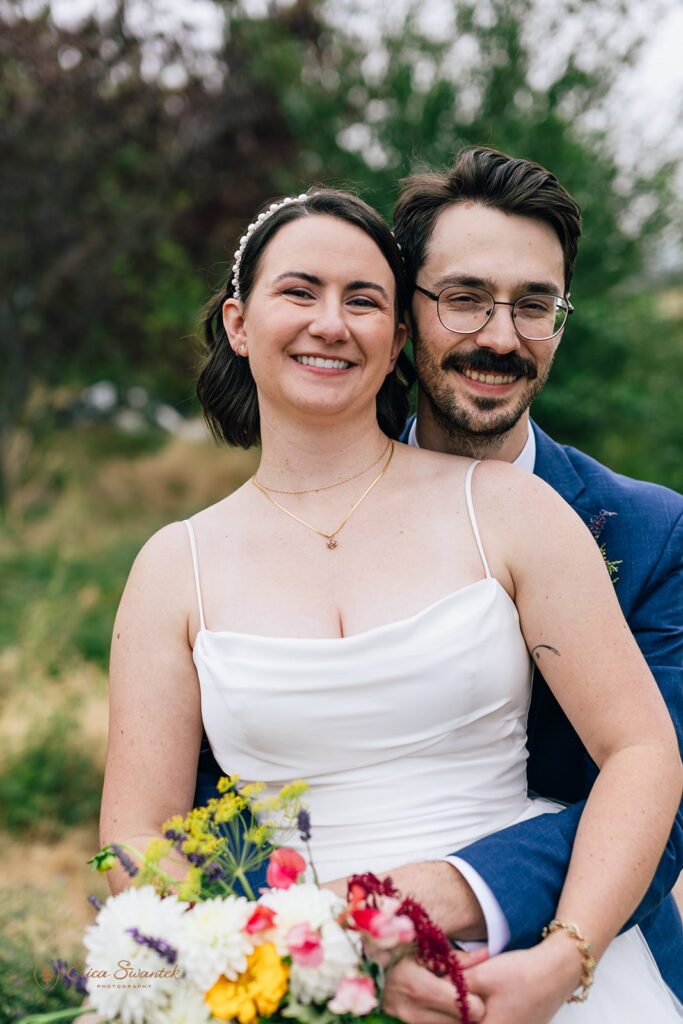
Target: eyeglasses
537	317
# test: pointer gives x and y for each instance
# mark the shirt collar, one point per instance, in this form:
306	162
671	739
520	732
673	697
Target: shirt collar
525	460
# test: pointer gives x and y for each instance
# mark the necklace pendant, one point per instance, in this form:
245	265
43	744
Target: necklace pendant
331	542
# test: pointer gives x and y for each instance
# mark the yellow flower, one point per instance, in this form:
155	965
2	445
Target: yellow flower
291	791
156	849
229	806
225	784
197	820
256	993
190	889
252	789
175	824
259	835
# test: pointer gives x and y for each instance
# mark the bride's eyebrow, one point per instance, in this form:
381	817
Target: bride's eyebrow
352	286
311	278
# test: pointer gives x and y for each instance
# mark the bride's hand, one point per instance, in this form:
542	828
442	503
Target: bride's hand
416	996
526	986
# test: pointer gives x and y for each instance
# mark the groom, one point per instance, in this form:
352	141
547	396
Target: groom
485	244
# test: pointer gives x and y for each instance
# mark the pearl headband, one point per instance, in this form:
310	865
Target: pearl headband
237	259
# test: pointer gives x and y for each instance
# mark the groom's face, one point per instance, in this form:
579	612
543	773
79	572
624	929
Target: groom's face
481	384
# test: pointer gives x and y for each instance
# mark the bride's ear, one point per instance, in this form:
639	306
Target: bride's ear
233	321
400	338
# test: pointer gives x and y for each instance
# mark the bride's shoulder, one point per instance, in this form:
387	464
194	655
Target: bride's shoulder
175	539
522	508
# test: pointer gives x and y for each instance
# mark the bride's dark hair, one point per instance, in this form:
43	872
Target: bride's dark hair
226	388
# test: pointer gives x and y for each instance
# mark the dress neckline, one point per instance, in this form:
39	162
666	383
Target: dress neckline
364	634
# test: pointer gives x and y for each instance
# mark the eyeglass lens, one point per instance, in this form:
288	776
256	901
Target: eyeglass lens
537	317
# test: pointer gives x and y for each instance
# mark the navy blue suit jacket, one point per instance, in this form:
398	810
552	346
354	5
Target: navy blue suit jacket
525	865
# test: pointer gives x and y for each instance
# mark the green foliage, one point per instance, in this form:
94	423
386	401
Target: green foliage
27	982
59	605
51	783
127	193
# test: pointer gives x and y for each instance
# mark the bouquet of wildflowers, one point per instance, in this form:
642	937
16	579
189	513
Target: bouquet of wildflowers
208	949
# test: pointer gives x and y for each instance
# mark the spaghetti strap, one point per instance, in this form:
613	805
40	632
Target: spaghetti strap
195	563
473	519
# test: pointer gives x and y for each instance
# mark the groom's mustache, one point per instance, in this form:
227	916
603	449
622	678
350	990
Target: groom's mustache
483	360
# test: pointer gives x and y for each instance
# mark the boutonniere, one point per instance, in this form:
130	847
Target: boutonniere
596	525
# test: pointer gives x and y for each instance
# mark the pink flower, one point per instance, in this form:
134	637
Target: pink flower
261	920
305	945
385	927
354	995
284	867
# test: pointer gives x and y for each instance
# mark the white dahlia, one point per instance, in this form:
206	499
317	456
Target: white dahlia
121	981
300	904
318	908
185	1005
341	954
213	940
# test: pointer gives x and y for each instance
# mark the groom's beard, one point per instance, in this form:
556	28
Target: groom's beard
475	425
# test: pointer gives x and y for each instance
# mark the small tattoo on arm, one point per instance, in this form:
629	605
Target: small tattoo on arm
544	647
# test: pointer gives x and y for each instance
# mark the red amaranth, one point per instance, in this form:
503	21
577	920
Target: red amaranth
433	948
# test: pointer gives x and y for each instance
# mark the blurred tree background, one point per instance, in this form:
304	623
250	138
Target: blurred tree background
132	159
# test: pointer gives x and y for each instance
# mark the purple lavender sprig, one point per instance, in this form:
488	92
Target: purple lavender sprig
69	976
213	872
160	946
126	862
96	902
303	823
597	522
596	525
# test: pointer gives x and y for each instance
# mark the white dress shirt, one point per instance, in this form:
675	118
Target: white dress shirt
497	928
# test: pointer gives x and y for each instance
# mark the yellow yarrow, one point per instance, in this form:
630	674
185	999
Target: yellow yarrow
256	993
156	849
205	844
292	790
175	824
259	835
252	789
228	807
225	784
190	889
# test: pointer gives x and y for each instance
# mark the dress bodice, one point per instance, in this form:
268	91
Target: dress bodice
411	735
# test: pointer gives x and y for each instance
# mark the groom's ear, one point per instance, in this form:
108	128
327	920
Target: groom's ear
233	321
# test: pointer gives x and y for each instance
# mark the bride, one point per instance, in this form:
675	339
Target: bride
360	614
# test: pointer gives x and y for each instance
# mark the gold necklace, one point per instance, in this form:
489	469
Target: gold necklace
331	538
326	487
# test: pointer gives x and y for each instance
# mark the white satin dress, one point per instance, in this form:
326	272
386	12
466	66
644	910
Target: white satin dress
412	739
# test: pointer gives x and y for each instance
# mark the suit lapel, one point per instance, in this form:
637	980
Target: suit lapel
555	467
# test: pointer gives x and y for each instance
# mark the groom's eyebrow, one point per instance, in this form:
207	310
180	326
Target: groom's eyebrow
352	286
489	285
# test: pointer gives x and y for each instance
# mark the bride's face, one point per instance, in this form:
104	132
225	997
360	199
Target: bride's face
320	324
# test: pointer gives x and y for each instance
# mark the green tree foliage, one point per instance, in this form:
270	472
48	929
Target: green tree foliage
372	115
129	186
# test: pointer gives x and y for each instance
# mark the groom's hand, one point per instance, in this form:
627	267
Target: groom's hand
445	895
442	891
416	996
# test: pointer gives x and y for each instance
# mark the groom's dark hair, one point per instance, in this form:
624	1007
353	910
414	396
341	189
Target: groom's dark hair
494	179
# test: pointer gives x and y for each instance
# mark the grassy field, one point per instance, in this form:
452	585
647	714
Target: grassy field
85	502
